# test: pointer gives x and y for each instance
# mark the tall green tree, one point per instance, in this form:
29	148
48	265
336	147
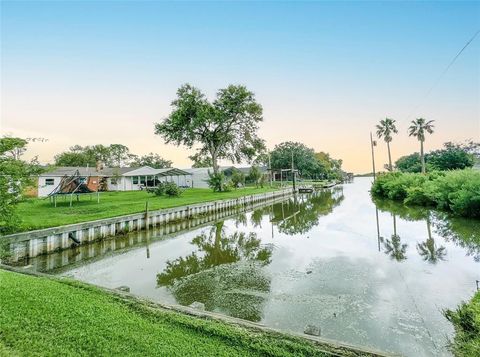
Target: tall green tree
119	155
418	129
114	155
225	128
200	159
304	159
386	129
16	175
152	160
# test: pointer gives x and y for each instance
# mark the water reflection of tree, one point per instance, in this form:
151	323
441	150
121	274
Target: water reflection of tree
394	247
428	250
225	274
257	215
300	214
461	231
241	219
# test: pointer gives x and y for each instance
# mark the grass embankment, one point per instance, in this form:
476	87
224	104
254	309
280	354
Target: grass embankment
58	317
37	213
454	191
466	320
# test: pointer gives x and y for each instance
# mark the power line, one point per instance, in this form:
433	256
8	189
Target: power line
442	74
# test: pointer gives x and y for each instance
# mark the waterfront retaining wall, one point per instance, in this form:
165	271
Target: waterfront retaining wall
45	241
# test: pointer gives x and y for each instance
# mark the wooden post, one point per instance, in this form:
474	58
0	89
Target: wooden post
146	215
293	175
270	168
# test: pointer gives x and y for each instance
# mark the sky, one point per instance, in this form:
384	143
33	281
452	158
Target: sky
103	72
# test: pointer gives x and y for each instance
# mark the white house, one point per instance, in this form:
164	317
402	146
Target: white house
200	175
114	179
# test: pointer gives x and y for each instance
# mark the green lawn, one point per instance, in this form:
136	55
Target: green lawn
37	213
42	316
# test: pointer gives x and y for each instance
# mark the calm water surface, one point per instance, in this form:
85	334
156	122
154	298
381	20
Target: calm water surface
375	275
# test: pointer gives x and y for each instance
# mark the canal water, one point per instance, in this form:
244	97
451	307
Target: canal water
372	274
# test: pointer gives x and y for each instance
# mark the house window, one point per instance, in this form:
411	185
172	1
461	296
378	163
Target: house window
142	180
49	182
135	180
113	181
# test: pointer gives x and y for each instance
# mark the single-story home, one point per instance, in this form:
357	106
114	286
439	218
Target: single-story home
200	175
114	178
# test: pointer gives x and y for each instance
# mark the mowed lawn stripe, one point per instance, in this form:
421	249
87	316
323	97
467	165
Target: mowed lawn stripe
38	213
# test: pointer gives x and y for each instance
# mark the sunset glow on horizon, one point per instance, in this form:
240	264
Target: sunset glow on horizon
325	72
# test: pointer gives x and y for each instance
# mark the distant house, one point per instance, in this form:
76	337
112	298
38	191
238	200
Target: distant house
114	178
200	175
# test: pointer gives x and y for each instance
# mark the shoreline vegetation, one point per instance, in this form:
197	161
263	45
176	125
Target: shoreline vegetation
456	191
466	321
38	213
60	316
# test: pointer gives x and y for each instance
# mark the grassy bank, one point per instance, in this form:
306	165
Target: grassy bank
454	191
466	320
51	317
37	213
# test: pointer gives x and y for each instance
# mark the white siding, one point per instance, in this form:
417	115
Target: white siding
43	189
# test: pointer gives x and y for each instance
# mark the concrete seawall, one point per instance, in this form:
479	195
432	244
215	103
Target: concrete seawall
45	241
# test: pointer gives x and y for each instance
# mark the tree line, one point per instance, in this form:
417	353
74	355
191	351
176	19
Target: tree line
452	156
114	155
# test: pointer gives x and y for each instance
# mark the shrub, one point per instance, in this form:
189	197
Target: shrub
160	189
172	190
217	182
263	180
456	191
466	321
254	175
237	178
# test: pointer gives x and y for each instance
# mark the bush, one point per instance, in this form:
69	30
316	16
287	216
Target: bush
466	321
237	178
172	190
160	189
449	158
456	191
254	175
218	182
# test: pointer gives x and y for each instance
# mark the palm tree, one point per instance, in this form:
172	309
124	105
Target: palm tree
418	129
385	130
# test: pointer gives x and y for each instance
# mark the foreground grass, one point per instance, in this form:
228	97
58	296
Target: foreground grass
37	213
52	317
466	320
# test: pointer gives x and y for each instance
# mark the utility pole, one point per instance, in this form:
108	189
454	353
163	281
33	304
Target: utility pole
372	144
293	175
270	168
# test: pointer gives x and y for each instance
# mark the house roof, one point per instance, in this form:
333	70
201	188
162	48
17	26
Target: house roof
86	171
245	170
150	171
112	171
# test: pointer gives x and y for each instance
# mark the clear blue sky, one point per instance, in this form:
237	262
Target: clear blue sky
325	72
